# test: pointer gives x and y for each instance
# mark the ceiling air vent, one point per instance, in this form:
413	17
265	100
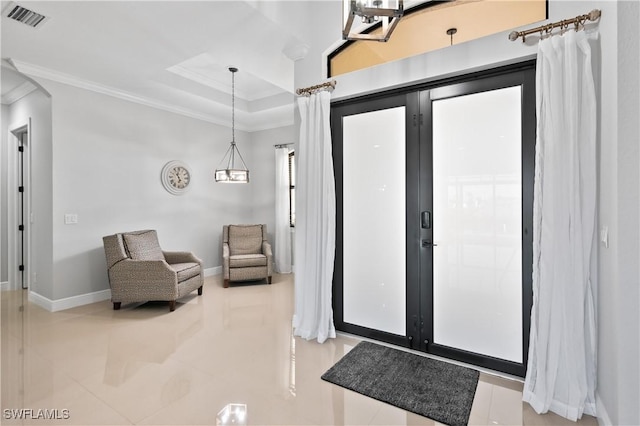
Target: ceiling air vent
24	15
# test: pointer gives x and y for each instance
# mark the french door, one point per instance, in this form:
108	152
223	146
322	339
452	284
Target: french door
434	229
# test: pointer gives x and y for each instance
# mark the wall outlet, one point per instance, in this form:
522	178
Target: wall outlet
70	218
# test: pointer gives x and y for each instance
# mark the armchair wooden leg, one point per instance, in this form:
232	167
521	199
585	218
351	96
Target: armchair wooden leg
116	306
172	305
200	291
269	279
226	283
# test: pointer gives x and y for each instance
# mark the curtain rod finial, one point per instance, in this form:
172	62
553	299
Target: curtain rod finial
594	14
513	35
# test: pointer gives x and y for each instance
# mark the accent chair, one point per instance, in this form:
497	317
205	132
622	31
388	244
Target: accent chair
246	253
140	271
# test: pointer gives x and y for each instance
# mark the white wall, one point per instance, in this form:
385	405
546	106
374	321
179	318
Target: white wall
618	334
37	107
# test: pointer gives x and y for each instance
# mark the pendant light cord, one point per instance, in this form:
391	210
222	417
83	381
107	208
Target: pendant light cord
233	105
231	151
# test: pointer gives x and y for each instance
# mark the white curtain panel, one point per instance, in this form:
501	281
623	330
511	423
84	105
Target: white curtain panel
561	372
315	221
282	253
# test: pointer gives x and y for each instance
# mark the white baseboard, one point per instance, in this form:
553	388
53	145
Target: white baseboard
68	302
216	270
4	286
602	415
85	299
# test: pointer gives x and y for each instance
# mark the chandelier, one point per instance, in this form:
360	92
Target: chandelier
233	172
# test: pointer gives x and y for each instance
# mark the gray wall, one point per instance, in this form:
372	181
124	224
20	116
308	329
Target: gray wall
107	155
617	277
101	159
263	173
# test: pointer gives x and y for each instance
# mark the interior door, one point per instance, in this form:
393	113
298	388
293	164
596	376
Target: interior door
477	166
22	223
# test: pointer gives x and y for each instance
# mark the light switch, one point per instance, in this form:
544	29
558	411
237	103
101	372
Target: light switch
70	218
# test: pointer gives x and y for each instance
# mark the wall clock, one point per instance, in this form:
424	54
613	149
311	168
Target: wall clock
176	177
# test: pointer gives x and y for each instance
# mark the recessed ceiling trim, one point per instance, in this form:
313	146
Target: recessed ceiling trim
70	80
198	77
25	16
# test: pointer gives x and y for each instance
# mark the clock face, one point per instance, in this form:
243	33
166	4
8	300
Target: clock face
176	177
179	177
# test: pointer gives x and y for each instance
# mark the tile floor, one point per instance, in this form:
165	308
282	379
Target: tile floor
144	365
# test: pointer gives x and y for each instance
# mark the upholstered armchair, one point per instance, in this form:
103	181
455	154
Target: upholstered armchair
139	271
246	253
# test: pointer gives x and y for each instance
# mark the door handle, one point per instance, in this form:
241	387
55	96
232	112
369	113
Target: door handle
425	220
428	243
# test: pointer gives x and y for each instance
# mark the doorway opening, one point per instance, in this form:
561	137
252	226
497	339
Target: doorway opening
19	190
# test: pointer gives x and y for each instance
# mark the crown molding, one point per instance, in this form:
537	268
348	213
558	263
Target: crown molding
71	80
18	93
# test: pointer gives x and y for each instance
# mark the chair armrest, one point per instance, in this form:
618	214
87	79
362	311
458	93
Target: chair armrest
135	277
266	250
225	260
173	257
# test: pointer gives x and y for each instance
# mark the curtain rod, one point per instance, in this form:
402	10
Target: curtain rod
283	145
578	21
312	89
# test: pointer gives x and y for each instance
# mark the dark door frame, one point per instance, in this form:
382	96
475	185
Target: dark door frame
410	102
414	97
526	79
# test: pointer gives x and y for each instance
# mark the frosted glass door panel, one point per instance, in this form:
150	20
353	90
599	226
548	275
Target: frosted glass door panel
477	223
374	210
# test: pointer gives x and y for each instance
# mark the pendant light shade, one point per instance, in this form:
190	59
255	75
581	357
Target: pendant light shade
235	170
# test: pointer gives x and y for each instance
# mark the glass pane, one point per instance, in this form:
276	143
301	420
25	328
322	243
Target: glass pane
477	217
374	220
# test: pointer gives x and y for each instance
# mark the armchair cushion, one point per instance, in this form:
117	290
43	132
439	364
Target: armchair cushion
244	260
143	246
186	270
245	239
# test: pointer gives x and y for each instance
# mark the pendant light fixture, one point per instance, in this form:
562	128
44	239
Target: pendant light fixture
232	173
385	12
